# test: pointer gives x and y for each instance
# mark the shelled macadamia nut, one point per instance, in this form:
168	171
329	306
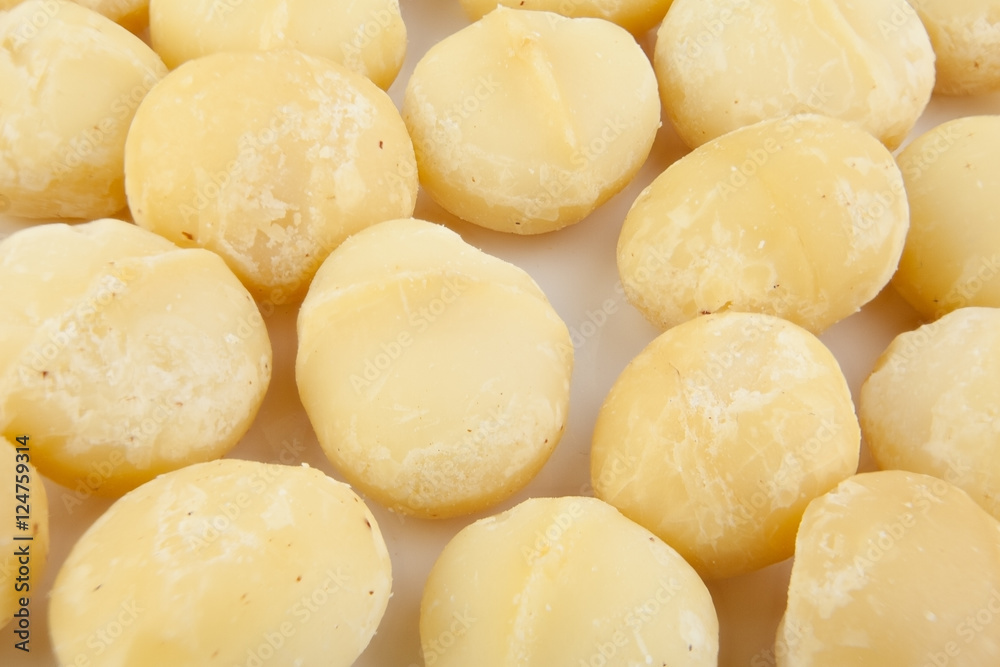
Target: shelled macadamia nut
932	403
269	159
527	121
966	39
801	217
71	80
564	581
636	16
224	563
123	356
436	376
893	568
366	36
726	64
719	433
952	254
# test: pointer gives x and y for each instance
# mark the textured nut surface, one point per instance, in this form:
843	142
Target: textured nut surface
723	65
220	563
717	435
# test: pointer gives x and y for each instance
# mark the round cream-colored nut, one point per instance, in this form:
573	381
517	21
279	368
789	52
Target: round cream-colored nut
723	65
366	36
893	568
132	14
966	39
719	433
224	563
525	121
952	254
636	16
269	159
932	403
122	355
564	581
71	81
802	217
436	376
22	561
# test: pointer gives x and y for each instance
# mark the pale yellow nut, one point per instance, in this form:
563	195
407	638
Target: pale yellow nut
932	403
893	568
966	39
366	36
436	377
717	435
952	254
801	217
270	159
224	563
71	81
564	581
132	14
122	355
723	65
22	561
636	16
525	122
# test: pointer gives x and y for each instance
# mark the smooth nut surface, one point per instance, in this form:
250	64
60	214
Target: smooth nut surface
564	581
436	376
526	121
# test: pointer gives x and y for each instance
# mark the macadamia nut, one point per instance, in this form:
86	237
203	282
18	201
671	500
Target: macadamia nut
564	581
952	254
224	563
893	568
122	355
525	121
71	81
719	433
436	376
269	159
932	403
366	36
636	16
801	217
966	39
730	63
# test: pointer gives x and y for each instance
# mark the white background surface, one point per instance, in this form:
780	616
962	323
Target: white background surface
576	268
